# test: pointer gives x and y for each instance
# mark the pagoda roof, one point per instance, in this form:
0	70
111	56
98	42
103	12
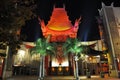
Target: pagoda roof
59	20
59	26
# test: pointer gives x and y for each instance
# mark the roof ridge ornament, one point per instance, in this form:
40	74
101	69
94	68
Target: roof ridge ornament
42	24
103	4
112	4
64	6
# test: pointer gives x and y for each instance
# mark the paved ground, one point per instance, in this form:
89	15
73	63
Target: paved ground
60	78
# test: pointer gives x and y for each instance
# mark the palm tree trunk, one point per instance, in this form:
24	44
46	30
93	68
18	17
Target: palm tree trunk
43	68
40	70
74	68
5	64
77	75
76	65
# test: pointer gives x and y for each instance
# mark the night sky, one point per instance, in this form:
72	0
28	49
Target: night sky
88	10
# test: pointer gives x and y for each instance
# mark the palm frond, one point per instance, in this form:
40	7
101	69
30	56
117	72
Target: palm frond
43	47
72	46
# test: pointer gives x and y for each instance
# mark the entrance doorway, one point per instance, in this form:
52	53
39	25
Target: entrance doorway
60	64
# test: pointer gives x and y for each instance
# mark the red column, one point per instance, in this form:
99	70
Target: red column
46	64
1	67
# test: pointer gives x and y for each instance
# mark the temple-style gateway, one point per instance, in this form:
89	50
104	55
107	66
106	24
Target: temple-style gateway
59	28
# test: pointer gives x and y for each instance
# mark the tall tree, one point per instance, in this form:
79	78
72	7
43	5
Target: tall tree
13	14
43	47
73	46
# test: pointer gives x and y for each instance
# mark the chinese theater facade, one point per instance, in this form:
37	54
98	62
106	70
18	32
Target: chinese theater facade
59	28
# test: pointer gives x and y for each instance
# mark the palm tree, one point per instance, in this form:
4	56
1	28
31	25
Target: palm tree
73	46
42	47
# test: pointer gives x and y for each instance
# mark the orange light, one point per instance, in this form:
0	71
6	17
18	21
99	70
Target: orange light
104	48
105	55
67	69
53	69
90	58
60	69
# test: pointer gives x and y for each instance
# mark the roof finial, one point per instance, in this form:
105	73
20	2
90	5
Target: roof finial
53	6
103	4
63	5
112	4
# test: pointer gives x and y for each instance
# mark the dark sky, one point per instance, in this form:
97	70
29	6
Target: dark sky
87	9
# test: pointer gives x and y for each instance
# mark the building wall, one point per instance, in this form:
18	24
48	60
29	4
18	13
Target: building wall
109	15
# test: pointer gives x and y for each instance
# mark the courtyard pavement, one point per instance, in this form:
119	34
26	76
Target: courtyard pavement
60	78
